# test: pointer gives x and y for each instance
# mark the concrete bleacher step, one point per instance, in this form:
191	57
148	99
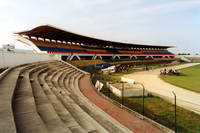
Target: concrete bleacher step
56	78
7	86
67	100
97	115
80	116
96	124
45	108
61	110
76	98
26	117
100	116
44	97
66	115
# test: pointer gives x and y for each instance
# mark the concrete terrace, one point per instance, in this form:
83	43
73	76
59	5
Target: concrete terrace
45	97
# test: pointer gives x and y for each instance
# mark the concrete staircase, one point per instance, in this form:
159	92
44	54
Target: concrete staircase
44	97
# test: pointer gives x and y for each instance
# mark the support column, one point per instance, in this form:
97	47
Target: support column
115	56
95	57
72	56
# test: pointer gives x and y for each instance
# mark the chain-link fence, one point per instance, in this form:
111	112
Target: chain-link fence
158	108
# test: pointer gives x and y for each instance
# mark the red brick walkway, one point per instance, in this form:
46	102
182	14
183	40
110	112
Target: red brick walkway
122	116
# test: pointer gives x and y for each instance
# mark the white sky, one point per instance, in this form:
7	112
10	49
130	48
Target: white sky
157	22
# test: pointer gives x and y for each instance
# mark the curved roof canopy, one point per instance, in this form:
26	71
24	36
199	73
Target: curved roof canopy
53	33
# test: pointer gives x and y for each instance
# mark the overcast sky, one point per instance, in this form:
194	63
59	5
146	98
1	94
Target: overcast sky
157	22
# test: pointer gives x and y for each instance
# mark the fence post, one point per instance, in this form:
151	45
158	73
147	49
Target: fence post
122	93
143	99
175	112
108	87
143	93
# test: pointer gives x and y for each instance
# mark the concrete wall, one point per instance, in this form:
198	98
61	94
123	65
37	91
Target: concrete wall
191	58
135	92
115	91
10	59
127	92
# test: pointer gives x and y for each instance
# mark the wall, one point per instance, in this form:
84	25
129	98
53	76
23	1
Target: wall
190	58
134	92
10	59
127	92
115	90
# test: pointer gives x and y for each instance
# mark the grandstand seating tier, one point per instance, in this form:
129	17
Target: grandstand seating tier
88	64
45	97
52	47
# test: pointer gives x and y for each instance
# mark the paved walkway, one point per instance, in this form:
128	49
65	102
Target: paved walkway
153	83
124	117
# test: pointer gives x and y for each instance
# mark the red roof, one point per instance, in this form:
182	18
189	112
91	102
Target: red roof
53	33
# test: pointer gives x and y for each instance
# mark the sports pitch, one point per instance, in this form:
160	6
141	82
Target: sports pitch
189	78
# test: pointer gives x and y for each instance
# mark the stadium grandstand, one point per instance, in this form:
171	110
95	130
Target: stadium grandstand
85	52
44	93
47	97
44	97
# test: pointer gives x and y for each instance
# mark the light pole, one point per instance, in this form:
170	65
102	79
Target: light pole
175	111
143	91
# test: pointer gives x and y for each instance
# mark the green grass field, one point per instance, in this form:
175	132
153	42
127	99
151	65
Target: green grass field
189	78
